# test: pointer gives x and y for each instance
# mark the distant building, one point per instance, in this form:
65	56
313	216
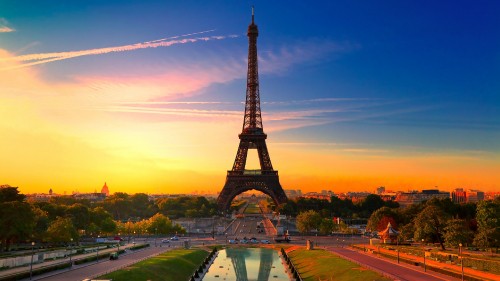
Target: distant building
491	195
408	198
105	189
293	193
92	197
317	195
459	196
474	196
380	190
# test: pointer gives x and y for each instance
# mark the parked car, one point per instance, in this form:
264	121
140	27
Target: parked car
265	241
113	256
165	241
175	238
232	241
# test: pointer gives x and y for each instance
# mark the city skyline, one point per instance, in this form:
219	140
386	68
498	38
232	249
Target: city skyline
149	96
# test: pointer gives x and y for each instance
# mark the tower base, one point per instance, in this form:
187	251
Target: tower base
236	184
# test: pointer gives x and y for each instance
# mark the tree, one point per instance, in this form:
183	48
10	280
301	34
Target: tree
17	221
379	219
371	203
488	222
79	215
160	224
456	232
406	232
326	226
61	231
9	194
307	221
429	225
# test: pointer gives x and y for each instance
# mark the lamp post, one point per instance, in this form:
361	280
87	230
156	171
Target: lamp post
461	259
32	253
97	252
70	248
397	246
425	268
156	234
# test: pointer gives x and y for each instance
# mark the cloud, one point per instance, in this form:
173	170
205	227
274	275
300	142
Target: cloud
3	26
5	29
40	58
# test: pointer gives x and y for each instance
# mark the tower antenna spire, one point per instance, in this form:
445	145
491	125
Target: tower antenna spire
253	13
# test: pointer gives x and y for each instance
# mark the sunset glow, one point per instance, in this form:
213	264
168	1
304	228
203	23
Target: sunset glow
346	107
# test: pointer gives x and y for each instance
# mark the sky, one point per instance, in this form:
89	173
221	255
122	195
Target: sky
148	96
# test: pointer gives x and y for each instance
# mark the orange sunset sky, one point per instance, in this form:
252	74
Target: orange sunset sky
346	107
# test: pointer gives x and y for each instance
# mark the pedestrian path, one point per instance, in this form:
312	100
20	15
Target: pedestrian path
386	267
450	267
47	263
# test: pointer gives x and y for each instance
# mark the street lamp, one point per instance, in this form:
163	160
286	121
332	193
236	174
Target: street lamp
97	252
156	234
31	264
70	248
461	259
425	268
397	246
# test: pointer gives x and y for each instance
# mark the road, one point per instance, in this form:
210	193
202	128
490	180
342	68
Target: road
94	269
402	272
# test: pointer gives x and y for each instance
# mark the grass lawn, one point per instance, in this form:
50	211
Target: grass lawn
252	209
322	265
173	265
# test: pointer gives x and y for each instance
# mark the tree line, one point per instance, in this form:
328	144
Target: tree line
438	221
64	218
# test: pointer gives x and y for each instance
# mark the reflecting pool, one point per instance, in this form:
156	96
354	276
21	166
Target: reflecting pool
247	264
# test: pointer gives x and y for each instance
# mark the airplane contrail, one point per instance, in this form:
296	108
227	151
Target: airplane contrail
34	59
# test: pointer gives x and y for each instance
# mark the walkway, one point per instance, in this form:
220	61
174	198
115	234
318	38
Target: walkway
401	272
26	268
93	269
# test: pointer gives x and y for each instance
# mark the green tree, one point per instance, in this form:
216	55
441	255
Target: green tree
307	221
160	224
456	232
488	222
79	215
429	225
326	226
41	223
10	194
17	221
370	204
379	219
62	231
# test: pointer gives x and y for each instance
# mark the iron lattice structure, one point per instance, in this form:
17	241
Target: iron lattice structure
252	136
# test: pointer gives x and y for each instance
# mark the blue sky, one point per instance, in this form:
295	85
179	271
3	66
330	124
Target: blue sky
392	79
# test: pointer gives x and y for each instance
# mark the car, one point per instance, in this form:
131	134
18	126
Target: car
232	241
175	238
113	256
165	241
254	241
265	241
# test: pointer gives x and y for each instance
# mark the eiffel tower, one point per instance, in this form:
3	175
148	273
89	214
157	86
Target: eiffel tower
252	136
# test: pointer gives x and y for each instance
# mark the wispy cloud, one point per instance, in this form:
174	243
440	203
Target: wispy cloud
3	26
5	29
40	58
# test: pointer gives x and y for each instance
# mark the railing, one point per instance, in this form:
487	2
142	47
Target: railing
252	173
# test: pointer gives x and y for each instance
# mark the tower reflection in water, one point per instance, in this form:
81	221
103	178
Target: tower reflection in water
247	264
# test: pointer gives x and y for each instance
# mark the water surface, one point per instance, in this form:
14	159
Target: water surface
247	264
